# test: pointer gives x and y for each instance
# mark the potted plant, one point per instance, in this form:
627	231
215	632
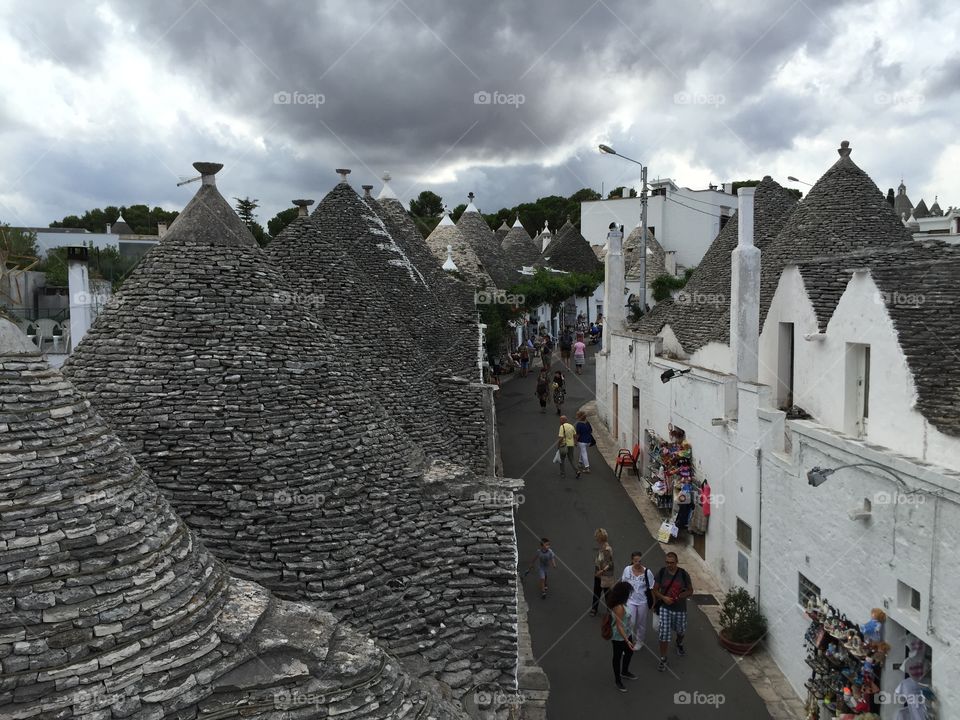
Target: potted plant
742	625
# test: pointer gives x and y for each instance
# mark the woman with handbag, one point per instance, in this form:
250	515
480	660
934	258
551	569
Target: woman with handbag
622	635
584	439
604	577
641	581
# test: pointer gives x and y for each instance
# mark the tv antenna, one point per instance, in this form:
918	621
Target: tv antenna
184	180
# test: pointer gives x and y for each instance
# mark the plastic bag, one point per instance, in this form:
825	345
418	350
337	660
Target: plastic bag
556	457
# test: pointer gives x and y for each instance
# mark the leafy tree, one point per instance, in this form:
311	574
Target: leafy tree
427	205
108	264
246	211
618	192
664	285
140	218
54	267
279	222
585	195
457	212
18	248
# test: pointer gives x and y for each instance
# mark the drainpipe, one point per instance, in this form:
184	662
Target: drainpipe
759	453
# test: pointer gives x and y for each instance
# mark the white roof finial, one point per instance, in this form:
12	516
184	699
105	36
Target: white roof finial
386	191
449	265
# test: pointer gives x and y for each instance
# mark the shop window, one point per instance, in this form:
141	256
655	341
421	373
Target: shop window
744	535
807	590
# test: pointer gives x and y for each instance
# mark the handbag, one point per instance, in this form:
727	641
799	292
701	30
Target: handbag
649	593
606	627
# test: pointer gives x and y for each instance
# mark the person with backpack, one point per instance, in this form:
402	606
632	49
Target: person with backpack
641	581
543	390
621	632
673	587
584	439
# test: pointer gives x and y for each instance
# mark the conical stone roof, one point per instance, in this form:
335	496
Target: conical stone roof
656	257
271	447
501	232
464	255
476	232
842	213
115	609
315	263
519	247
569	251
700	313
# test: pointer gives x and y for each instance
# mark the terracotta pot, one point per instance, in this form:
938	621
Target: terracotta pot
737	648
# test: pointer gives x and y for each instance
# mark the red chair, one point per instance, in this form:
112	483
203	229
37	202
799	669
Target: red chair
628	459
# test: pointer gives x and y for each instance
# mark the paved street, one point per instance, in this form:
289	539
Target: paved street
566	640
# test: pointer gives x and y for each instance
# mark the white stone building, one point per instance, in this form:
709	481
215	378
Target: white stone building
842	350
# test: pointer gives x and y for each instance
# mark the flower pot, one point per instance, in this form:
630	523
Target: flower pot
737	648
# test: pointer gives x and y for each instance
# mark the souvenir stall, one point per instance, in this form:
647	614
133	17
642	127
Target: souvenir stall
845	661
683	501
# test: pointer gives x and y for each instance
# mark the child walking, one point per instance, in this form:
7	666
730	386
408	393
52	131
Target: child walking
543	559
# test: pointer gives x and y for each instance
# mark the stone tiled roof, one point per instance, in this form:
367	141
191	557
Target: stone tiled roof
502	231
901	203
260	421
114	609
842	213
701	314
519	247
476	231
466	258
920	210
656	256
569	251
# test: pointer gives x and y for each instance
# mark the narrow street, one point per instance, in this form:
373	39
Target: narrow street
566	640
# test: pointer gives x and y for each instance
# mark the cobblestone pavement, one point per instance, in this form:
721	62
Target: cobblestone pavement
565	640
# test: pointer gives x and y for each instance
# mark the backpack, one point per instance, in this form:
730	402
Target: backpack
606	626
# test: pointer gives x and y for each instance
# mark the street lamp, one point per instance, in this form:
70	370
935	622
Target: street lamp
791	178
668	375
817	476
607	150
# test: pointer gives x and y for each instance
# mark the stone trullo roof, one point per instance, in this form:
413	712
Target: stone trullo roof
543	239
395	373
116	610
120	227
901	203
519	247
501	232
656	257
466	258
843	212
476	231
701	313
569	251
263	432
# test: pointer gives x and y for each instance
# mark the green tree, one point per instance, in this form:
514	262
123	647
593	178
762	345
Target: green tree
18	248
279	222
457	212
246	211
427	205
140	218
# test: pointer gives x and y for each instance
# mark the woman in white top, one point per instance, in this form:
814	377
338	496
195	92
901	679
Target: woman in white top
641	580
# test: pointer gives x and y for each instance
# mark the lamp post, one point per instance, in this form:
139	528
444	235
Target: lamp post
606	149
817	476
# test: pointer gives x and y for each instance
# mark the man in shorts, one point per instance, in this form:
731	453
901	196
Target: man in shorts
566	346
671	590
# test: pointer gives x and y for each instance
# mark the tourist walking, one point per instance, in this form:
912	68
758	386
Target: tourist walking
566	345
559	388
543	390
579	354
673	587
543	559
524	360
604	577
566	440
641	581
622	636
584	439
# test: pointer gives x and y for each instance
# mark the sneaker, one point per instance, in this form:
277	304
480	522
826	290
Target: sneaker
662	665
628	675
543	595
680	651
620	686
593	613
579	473
586	469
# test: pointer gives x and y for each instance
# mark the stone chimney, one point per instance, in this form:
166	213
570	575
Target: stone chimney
613	300
108	228
745	294
343	172
208	172
302	206
161	229
78	281
366	191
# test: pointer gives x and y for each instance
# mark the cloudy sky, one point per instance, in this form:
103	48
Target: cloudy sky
109	103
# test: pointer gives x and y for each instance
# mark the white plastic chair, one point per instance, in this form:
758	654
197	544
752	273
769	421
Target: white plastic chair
45	331
27	327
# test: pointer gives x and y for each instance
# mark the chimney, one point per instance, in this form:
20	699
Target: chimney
625	193
161	229
745	294
302	205
613	300
108	228
208	171
386	191
343	172
78	281
366	191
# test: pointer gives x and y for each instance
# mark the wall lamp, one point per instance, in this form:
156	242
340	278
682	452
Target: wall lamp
817	476
668	375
